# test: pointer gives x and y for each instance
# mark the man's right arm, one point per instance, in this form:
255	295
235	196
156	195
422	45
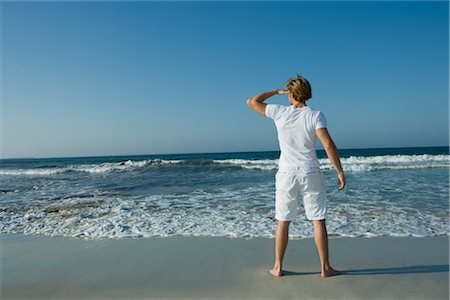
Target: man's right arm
332	153
257	102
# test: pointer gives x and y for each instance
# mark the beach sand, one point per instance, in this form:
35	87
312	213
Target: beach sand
40	267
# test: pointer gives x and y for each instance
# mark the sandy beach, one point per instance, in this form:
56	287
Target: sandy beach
41	267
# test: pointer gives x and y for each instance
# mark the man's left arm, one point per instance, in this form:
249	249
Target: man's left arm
257	102
332	153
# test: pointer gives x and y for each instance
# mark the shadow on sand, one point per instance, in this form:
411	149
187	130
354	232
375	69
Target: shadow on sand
290	273
399	270
389	271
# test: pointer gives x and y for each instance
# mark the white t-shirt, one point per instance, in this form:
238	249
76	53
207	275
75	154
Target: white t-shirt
296	134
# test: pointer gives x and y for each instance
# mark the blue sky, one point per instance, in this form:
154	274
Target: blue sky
113	78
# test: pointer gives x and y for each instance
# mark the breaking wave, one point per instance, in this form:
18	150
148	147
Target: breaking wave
357	163
90	168
350	164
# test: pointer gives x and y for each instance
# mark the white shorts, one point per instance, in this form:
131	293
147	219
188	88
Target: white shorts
295	182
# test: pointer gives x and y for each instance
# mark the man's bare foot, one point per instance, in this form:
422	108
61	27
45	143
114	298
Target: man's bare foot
329	272
276	272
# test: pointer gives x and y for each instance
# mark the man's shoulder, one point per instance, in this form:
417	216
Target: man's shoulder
315	111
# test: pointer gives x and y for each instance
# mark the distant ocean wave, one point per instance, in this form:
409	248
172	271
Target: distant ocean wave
390	162
358	163
257	164
350	164
89	168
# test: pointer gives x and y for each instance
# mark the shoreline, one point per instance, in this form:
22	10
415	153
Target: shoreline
44	267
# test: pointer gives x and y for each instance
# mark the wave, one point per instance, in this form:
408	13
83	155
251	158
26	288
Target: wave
349	164
356	163
390	162
259	164
122	166
33	172
89	168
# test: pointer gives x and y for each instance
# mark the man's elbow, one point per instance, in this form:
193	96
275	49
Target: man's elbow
328	144
250	102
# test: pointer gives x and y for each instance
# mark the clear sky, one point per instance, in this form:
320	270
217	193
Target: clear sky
118	78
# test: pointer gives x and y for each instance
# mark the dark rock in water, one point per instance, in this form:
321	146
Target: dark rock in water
52	209
3	191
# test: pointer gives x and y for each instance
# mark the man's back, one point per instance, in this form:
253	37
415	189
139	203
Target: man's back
297	134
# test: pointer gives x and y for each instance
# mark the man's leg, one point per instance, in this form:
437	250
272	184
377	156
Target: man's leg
321	240
281	240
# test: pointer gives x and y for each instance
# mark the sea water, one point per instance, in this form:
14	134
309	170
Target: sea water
389	192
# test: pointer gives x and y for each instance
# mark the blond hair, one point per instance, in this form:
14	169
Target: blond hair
300	88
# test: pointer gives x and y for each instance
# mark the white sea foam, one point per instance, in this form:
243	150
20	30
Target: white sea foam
121	166
259	164
246	212
90	168
390	162
32	172
356	163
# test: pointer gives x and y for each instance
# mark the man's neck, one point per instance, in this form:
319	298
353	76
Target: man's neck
299	104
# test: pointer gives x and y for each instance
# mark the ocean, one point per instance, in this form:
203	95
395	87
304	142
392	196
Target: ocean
389	192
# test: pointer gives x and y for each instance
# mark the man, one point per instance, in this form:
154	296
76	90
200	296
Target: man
298	172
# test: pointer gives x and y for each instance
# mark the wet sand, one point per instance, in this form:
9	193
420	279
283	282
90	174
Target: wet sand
40	267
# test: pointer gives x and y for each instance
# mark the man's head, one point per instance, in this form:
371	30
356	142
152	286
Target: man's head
299	89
